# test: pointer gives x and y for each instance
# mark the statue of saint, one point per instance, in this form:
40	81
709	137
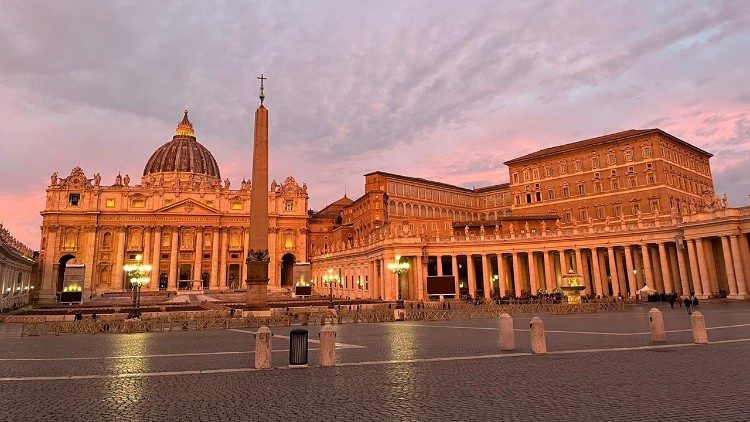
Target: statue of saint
53	179
481	230
466	231
226	184
97	179
126	180
118	180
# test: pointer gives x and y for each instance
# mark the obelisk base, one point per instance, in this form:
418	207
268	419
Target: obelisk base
257	289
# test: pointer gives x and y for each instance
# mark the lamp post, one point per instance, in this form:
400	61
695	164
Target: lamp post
138	274
397	267
330	279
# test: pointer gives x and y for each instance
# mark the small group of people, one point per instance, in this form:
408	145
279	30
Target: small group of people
691	302
79	316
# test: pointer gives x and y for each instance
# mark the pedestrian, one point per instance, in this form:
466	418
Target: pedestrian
671	300
687	305
696	304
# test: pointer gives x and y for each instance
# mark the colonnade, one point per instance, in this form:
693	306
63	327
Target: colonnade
702	266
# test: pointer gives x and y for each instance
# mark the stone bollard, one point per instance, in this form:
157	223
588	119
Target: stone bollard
263	348
507	338
656	320
538	339
327	346
700	336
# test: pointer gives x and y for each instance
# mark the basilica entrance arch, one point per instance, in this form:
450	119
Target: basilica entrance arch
287	266
62	264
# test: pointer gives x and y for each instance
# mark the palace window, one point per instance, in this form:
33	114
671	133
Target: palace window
289	206
583	214
646	151
631	169
567	216
515	177
600	214
210	203
74	199
138	203
578	165
632	182
651	179
538	196
597	187
581	189
535	173
654	203
635	207
550	194
528	198
168	202
649	166
628	155
563	167
517	199
594	162
547	171
614	183
616	210
526	176
110	203
611	159
565	192
235	205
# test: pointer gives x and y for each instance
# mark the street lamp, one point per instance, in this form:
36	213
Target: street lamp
397	267
138	274
329	280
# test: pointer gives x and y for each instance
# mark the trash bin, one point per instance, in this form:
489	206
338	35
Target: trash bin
298	348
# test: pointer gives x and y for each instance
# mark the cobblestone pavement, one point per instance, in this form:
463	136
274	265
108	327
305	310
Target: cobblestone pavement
599	367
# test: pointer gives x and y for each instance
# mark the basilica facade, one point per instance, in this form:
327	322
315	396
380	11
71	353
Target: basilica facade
191	226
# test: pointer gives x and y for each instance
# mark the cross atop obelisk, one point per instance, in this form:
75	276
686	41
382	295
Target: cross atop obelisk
258	257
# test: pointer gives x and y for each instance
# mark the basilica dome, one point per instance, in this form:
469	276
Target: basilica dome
183	154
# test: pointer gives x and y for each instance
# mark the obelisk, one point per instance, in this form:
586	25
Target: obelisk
258	257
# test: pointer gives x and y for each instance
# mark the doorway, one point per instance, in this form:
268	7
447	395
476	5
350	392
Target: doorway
287	267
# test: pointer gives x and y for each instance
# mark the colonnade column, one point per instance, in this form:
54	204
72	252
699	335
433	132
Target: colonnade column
549	272
155	257
629	275
420	277
147	244
516	275
614	281
197	259
729	266
694	271
564	268
597	274
486	276
622	278
738	270
502	273
119	258
682	268
647	269
173	258
454	271
702	267
215	259
439	265
580	270
471	276
533	275
663	260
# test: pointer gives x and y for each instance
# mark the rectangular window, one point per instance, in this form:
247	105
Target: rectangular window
168	202
579	165
615	183
210	203
651	179
74	199
611	159
647	152
138	203
206	256
567	216
289	206
597	187
235	205
165	256
538	196
110	203
628	155
563	168
550	194
583	214
616	210
632	182
548	171
594	162
635	207
565	192
654	204
600	213
582	189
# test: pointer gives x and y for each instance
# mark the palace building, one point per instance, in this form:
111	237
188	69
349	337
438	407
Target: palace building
192	227
626	210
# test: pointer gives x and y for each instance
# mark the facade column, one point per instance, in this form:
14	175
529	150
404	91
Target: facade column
89	270
173	259
502	274
454	269
648	271
695	274
486	276
421	291
471	275
630	275
516	275
684	282
439	265
614	280
622	279
675	269
713	274
663	260
223	258
564	267
119	259
155	257
738	270
729	265
533	275
147	244
215	259
597	274
245	252
198	258
702	267
549	272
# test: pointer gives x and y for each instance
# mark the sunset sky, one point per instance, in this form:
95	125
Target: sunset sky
440	90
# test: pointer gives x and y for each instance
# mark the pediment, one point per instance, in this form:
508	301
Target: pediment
187	206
